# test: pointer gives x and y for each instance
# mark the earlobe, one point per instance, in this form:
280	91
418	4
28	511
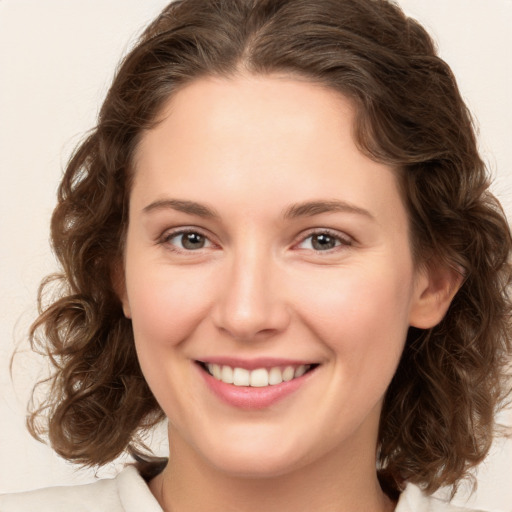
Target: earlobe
126	308
436	286
124	301
119	284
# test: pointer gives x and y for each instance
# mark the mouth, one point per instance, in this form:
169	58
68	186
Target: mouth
258	377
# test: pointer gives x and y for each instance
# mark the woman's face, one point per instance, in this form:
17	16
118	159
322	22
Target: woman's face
263	244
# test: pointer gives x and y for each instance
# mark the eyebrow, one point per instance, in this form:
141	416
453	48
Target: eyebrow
304	209
311	208
190	207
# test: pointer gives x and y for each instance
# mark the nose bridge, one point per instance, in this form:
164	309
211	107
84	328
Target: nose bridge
251	302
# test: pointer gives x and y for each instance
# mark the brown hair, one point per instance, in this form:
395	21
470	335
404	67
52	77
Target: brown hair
438	416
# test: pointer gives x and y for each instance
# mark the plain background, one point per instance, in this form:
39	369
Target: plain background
57	58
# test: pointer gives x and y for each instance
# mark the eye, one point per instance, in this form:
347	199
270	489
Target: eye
323	241
187	240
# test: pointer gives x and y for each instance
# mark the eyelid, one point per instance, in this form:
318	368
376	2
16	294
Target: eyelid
163	239
345	239
170	233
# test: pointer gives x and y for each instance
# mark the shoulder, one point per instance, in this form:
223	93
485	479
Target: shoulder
126	493
413	499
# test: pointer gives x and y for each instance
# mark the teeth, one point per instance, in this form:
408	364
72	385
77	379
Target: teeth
227	374
258	378
241	377
275	376
215	370
289	373
300	371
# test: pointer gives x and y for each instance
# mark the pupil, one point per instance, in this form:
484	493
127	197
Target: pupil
323	242
193	241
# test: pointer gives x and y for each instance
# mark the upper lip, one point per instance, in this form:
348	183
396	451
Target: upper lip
255	363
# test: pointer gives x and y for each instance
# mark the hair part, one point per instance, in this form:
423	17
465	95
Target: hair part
438	417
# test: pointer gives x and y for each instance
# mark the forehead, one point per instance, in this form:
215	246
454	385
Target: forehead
256	137
270	109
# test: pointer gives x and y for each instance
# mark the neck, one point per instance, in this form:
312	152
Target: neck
341	482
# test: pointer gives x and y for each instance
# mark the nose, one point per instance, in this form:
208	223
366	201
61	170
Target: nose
251	303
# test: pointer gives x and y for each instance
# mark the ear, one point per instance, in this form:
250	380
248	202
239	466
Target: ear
119	284
435	287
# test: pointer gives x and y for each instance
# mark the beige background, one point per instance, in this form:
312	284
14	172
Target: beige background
56	61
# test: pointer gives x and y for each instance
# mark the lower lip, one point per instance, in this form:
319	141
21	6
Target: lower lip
248	397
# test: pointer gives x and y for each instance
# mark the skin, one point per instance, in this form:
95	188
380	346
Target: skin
250	149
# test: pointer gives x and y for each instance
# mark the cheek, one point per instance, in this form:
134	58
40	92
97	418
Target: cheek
166	304
360	313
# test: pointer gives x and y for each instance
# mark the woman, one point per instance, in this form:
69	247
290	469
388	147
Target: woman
279	237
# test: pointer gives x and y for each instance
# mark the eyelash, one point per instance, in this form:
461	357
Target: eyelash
169	235
340	240
343	241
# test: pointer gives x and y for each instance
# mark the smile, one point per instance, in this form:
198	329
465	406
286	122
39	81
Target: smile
259	377
257	383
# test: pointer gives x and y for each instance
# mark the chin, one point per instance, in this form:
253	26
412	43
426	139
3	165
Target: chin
258	459
256	467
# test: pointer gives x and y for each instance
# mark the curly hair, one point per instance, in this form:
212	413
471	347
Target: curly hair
438	417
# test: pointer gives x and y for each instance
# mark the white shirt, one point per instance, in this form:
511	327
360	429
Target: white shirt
128	492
